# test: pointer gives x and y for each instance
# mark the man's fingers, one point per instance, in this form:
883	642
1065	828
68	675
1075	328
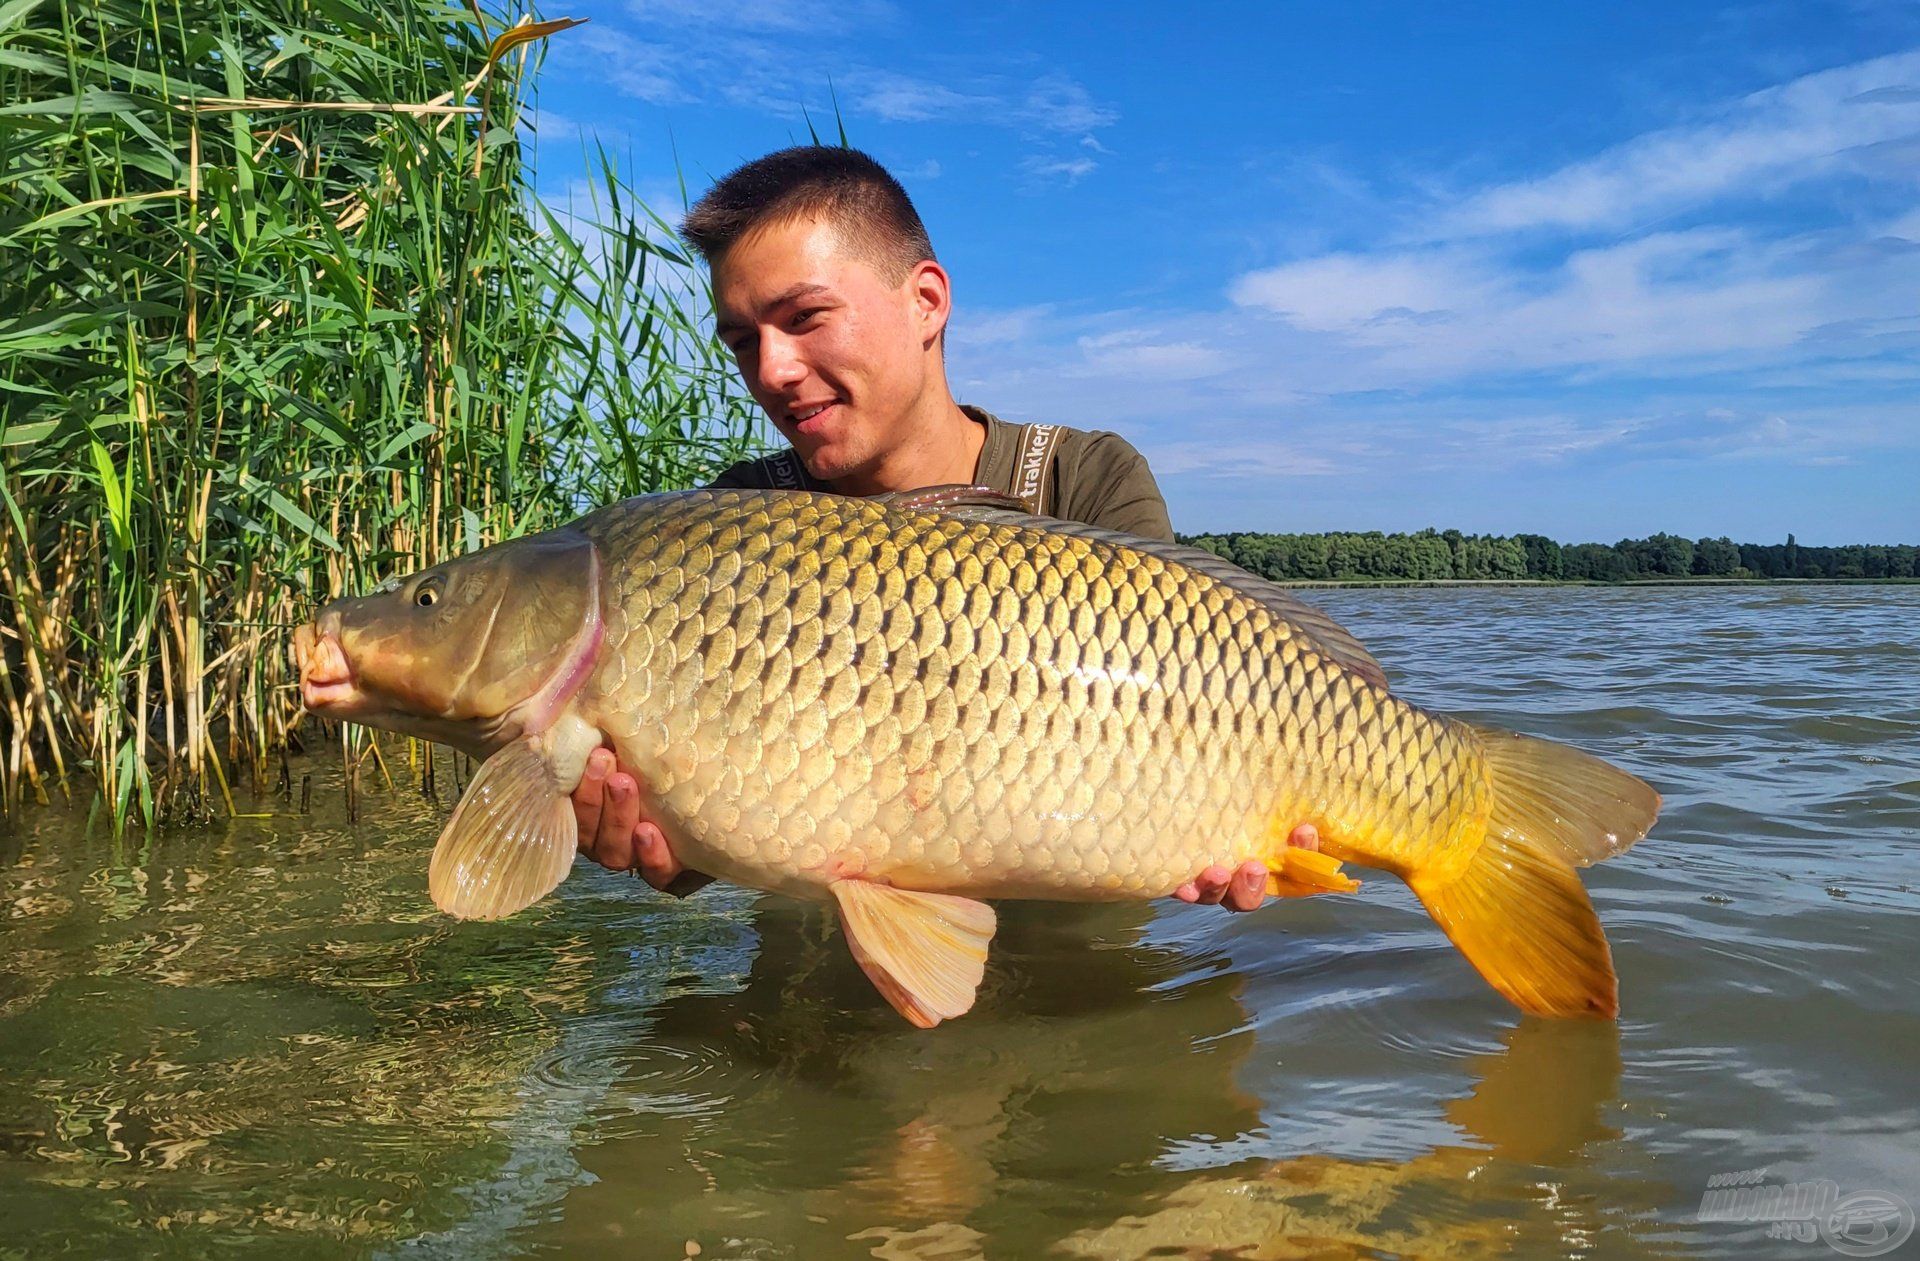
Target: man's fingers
1213	884
1245	887
588	801
615	849
655	862
1249	886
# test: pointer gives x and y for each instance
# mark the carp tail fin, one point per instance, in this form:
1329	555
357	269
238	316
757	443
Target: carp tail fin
1517	909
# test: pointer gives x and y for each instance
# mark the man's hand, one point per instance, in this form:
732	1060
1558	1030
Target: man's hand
607	807
1246	888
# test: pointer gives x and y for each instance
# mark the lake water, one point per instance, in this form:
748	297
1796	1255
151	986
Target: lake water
261	1040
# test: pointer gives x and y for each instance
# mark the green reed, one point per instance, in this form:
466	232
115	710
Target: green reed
279	317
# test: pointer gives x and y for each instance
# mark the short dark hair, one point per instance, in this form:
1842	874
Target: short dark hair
852	191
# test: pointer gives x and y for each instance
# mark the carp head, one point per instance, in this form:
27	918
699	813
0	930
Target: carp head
474	653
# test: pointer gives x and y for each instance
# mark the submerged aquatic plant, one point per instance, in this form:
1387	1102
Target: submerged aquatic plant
280	315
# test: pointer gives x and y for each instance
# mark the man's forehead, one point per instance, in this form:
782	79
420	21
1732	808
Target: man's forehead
773	258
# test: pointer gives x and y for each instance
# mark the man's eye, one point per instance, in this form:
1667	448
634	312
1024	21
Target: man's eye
806	316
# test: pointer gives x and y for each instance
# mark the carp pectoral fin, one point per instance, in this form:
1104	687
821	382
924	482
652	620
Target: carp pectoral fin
924	952
1298	873
511	839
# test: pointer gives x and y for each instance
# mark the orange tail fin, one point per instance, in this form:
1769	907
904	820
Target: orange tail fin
1517	909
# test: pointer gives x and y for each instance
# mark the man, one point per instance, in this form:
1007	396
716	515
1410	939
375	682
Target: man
828	294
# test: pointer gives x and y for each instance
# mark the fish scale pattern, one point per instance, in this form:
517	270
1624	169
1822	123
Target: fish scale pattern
815	687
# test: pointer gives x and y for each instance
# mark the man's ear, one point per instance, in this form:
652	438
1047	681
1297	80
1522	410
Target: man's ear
932	293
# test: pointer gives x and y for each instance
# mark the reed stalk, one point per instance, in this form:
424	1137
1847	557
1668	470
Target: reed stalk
280	315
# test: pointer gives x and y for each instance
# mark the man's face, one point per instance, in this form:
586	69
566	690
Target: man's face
836	354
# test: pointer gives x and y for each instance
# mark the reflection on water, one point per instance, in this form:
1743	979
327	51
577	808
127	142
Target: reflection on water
1534	1106
263	1039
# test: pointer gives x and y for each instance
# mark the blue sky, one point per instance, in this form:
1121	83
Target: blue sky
1591	271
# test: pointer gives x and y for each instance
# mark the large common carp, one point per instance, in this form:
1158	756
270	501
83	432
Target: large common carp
904	705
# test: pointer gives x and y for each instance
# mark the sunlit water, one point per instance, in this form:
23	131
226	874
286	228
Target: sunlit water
261	1040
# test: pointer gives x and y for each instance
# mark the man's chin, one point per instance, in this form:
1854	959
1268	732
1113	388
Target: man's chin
825	461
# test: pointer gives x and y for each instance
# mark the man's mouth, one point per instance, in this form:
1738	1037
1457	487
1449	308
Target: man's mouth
812	417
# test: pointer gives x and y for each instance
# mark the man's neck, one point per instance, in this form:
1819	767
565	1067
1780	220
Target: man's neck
946	450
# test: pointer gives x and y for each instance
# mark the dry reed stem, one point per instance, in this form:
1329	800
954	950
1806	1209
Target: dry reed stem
164	558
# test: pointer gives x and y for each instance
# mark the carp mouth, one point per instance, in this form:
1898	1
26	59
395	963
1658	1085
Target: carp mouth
326	678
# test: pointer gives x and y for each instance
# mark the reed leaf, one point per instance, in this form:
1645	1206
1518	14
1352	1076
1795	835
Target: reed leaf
280	315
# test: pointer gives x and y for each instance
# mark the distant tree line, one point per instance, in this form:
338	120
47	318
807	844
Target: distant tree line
1442	554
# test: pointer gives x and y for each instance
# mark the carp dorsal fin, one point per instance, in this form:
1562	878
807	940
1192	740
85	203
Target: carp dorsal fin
948	497
510	841
980	503
924	952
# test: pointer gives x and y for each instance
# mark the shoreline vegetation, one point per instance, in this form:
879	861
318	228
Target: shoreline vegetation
1450	558
283	317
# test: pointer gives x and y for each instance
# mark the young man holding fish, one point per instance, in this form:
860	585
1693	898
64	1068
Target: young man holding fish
828	294
917	707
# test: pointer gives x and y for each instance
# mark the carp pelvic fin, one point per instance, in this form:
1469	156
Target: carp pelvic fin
1517	909
511	839
924	952
1299	873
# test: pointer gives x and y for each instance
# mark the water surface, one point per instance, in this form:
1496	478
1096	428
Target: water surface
260	1040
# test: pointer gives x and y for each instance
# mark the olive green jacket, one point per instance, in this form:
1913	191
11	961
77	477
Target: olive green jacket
1092	477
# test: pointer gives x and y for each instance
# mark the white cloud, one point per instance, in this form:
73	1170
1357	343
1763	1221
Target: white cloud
899	98
1244	456
1349	291
771	16
784	59
1644	328
1050	104
628	65
1058	103
1675	302
549	126
1072	170
972	329
1861	115
1476	285
1131	353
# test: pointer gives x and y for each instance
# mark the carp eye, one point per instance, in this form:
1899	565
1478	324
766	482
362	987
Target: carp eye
425	597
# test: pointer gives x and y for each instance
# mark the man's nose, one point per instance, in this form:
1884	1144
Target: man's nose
780	363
